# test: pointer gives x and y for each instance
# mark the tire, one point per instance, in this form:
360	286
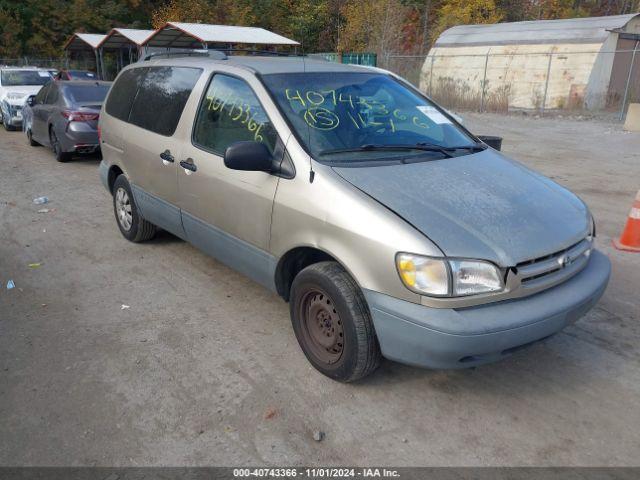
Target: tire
326	306
57	148
133	227
32	142
5	124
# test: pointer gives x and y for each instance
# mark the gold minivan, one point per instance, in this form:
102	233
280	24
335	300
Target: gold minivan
389	228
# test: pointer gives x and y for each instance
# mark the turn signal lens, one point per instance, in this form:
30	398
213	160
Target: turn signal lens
592	230
422	274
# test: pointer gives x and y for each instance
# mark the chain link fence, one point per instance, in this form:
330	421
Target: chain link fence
572	82
578	82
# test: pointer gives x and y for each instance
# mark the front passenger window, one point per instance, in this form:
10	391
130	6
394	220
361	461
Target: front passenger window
52	97
229	113
42	94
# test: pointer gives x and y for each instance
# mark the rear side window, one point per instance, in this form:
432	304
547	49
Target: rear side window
230	112
123	92
83	94
52	97
163	93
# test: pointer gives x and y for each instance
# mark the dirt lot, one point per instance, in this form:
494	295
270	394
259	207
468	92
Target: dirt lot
203	368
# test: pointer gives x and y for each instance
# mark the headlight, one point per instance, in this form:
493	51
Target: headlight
451	278
472	276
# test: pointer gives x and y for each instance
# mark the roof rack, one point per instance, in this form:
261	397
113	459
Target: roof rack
264	52
215	54
220	54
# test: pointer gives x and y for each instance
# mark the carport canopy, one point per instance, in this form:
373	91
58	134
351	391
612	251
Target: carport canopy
84	42
197	35
124	37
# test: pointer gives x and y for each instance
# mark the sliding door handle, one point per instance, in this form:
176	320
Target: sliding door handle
188	165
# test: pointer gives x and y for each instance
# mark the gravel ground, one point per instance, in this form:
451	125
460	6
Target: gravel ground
203	367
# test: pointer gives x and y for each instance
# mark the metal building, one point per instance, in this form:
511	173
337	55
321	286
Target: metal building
585	62
84	44
124	46
201	35
127	42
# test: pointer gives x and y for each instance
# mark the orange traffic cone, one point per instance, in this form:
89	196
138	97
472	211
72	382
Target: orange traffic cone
630	238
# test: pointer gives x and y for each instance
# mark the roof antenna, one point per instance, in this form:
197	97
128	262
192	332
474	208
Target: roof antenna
312	174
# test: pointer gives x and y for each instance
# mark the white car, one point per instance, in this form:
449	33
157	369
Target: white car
16	84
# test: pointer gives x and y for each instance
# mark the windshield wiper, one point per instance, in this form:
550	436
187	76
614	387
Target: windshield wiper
373	147
477	147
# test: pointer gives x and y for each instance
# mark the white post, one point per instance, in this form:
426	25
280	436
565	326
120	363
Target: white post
626	88
546	85
431	74
484	82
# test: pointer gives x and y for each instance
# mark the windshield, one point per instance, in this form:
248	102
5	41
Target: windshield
14	78
356	114
82	75
86	93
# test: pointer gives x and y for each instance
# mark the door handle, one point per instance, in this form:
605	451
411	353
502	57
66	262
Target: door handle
167	157
188	164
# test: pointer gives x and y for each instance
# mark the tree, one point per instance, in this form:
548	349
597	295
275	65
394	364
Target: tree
465	12
10	34
40	27
373	26
193	11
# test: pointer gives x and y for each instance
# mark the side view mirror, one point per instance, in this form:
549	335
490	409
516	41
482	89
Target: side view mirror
249	156
31	100
493	142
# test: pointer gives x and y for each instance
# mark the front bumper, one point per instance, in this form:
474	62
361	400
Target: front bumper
459	338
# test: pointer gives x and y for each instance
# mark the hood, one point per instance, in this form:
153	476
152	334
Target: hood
25	90
482	206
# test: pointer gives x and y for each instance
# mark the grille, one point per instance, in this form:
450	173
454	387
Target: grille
552	269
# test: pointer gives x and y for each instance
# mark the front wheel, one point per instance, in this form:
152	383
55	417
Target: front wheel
6	124
332	323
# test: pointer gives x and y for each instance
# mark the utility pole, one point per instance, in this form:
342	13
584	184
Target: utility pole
425	26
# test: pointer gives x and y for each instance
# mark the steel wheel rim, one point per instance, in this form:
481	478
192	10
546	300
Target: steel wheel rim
123	209
322	327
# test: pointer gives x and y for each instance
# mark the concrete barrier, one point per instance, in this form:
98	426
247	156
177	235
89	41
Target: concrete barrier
632	123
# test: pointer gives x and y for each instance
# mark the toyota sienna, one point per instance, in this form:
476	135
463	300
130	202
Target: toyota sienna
389	228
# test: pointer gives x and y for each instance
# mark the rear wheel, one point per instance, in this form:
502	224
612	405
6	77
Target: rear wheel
132	225
32	142
332	322
61	156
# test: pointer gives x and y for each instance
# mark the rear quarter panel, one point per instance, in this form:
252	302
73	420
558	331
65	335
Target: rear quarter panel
111	139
